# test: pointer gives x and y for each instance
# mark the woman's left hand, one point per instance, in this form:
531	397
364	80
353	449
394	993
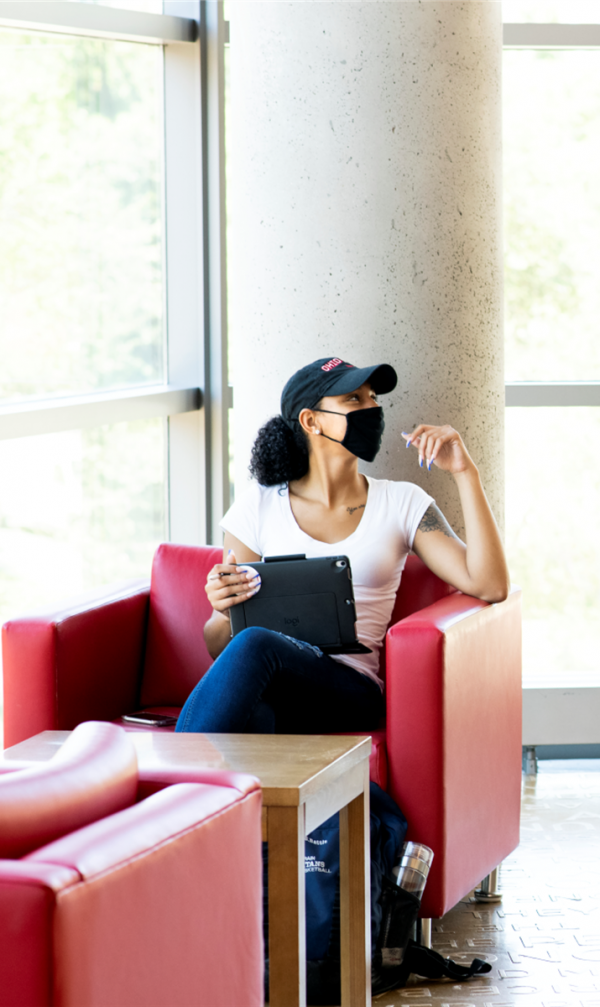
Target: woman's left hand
441	446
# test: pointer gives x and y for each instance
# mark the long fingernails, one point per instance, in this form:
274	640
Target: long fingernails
420	463
429	464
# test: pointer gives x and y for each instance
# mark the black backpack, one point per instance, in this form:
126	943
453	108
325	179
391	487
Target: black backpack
393	911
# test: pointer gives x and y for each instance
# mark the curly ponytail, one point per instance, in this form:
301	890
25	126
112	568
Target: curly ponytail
279	454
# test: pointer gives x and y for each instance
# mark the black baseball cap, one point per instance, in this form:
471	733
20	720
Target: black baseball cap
331	376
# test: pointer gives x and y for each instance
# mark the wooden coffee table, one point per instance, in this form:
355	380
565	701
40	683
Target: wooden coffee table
305	779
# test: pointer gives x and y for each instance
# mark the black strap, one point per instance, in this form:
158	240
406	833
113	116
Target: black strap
425	962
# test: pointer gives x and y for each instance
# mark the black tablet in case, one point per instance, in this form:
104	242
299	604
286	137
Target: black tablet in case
308	599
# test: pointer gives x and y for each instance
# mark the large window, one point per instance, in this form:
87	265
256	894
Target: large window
113	416
79	508
81	199
552	203
552	221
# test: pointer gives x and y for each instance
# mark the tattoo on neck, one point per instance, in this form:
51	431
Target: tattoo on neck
352	509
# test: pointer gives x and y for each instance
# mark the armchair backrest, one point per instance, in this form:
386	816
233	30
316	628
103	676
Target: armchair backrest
419	587
94	774
176	655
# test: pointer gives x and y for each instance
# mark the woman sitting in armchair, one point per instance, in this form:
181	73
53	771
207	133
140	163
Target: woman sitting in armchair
308	497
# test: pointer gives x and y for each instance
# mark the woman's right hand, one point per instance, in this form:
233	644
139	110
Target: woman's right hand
229	584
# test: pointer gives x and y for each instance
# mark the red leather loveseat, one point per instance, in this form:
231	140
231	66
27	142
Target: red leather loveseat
107	900
449	752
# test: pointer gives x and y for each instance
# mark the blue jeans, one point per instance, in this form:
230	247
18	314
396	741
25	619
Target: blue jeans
268	683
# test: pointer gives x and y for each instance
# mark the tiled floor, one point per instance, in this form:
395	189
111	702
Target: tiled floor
544	939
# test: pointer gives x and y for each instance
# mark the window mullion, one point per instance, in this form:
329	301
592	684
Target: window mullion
184	281
551	36
45	416
97	21
552	393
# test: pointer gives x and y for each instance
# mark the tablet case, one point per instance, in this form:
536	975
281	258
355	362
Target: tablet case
308	599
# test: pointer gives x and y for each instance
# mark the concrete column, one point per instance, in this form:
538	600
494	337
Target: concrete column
365	192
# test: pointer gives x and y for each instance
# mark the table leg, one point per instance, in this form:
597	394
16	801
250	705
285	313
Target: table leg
287	925
355	900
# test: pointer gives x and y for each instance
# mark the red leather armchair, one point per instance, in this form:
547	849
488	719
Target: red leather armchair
449	753
107	901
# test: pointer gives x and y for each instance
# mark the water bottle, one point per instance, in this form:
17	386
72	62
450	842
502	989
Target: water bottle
411	873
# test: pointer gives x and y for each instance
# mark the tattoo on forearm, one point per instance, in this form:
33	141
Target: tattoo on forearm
434	520
352	509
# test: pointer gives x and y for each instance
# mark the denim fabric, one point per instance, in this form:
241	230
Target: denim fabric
268	683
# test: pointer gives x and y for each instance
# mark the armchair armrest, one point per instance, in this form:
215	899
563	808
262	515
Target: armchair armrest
82	662
454	736
27	897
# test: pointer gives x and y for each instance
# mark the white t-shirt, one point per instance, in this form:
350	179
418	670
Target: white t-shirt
263	520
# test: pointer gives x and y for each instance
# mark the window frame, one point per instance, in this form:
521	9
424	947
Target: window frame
194	398
555	715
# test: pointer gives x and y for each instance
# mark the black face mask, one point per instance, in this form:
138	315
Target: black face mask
364	430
